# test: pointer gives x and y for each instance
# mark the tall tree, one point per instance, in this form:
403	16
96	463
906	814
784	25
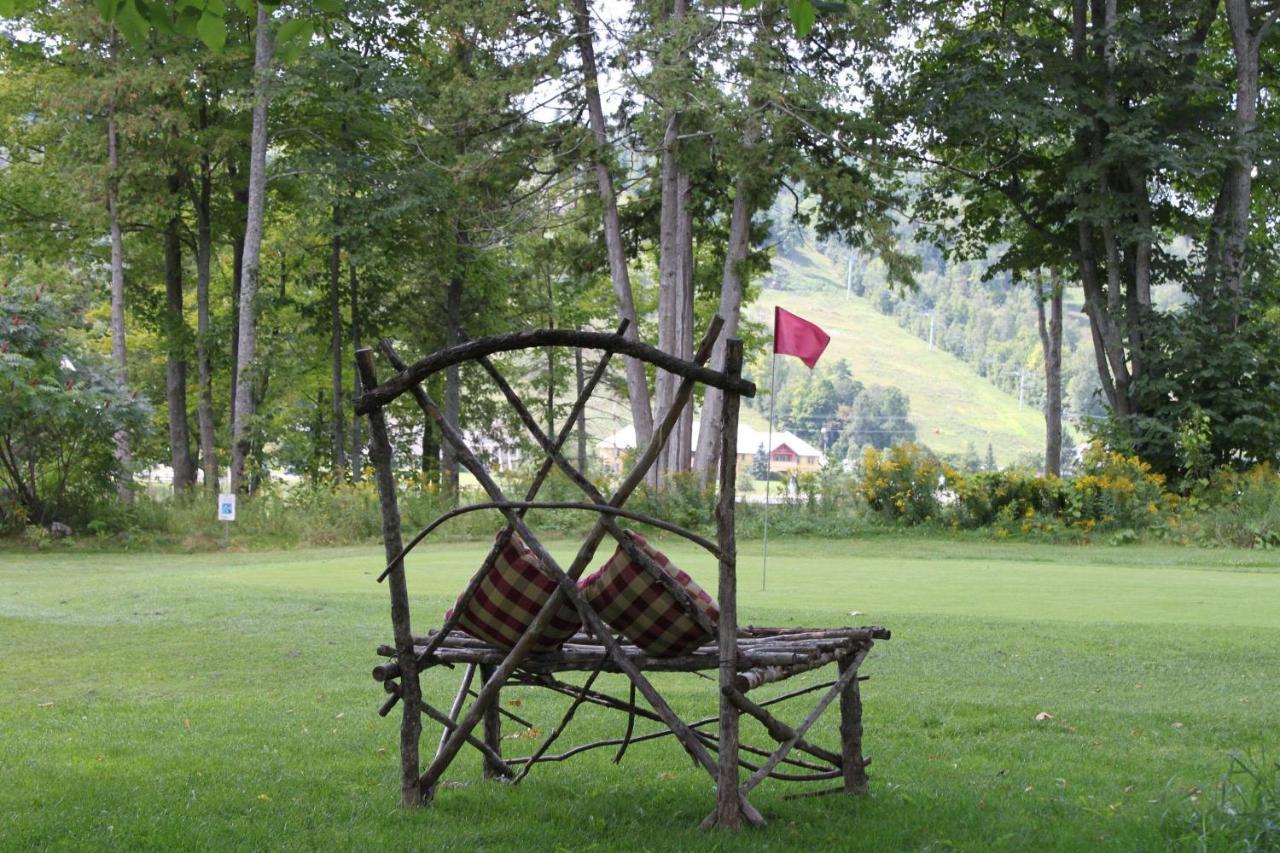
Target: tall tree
247	333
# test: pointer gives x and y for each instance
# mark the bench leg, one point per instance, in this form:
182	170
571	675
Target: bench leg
492	728
855	771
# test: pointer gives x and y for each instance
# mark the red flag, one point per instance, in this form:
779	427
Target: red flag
795	336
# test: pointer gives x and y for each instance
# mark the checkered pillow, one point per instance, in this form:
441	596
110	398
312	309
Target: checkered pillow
509	598
636	605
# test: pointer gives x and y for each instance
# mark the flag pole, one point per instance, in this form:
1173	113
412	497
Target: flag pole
768	471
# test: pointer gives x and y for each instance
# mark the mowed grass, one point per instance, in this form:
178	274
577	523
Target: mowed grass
224	700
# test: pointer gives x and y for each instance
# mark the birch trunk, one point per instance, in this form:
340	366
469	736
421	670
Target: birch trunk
1051	341
710	426
638	384
242	426
452	392
119	346
335	349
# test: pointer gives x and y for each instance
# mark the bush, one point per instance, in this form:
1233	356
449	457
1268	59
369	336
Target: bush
983	499
1114	491
1235	508
62	407
901	483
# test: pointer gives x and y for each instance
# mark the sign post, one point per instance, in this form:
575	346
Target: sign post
226	514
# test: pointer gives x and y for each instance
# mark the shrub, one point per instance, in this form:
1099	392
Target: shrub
983	499
1236	508
1114	490
62	407
901	483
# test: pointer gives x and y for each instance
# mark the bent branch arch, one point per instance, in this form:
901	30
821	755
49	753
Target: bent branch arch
377	397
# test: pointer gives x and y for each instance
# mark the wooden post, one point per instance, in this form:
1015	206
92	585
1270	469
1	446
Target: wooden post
851	760
728	813
492	727
411	793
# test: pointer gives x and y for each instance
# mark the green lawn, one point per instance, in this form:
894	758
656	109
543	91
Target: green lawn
223	700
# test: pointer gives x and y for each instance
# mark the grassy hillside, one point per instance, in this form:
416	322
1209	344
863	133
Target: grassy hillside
951	405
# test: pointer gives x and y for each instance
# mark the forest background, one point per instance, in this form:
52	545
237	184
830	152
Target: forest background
206	207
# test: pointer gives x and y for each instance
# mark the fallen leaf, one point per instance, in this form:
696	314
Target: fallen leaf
1042	716
187	723
667	776
1177	725
45	705
341	715
856	613
515	703
264	797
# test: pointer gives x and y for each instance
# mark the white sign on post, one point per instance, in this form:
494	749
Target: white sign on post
227	507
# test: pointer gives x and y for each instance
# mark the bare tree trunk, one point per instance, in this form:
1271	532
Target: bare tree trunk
357	462
1051	341
1237	183
452	392
1109	351
669	281
638	384
674	276
119	346
242	426
237	279
335	346
580	377
683	433
184	469
204	371
709	427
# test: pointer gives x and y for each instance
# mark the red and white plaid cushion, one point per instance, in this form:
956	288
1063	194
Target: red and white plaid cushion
638	606
509	598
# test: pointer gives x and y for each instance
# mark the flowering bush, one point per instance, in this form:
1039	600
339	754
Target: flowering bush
985	498
901	482
1115	491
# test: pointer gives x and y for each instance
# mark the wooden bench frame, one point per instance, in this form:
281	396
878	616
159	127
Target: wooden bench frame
744	658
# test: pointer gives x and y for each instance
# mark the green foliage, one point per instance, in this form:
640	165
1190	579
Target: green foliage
1233	509
62	408
1005	497
901	482
1209	399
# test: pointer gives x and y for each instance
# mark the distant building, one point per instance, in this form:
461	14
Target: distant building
790	452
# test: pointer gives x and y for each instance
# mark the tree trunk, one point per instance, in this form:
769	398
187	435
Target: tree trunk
674	276
357	462
638	384
119	346
430	452
669	281
237	278
683	433
452	393
204	370
1232	218
184	469
580	381
242	426
1051	341
339	458
1109	349
744	206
